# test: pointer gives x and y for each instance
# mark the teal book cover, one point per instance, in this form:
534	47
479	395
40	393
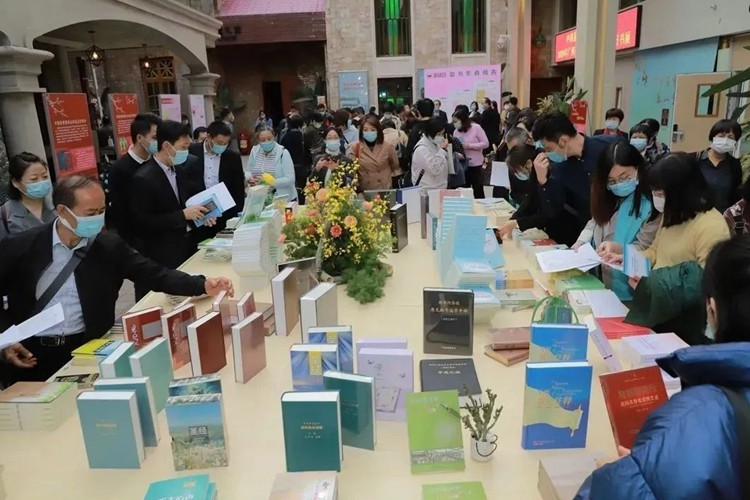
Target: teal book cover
339	335
194	386
558	342
312	431
111	429
196	424
196	487
357	400
435	440
155	362
144	397
310	362
468	490
117	364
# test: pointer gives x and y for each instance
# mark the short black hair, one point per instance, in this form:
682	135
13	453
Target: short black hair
218	128
614	113
513	101
198	131
552	126
66	187
519	156
685	189
141	125
295	121
725	127
332	129
642	128
225	112
461	107
425	108
17	168
653	123
360	110
387	107
603	201
388	123
171	131
317	117
434	126
341	117
726	279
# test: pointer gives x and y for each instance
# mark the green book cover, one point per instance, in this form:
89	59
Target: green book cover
312	431
469	490
435	439
583	281
357	399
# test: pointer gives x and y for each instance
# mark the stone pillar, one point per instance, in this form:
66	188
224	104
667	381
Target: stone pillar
61	54
595	55
19	71
518	71
205	84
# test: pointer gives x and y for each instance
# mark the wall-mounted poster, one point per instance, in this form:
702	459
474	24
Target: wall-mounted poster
462	85
197	111
170	107
123	107
70	131
354	89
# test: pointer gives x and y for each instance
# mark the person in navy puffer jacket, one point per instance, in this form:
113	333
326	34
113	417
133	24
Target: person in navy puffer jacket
688	448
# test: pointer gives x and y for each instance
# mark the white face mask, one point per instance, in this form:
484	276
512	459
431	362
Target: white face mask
659	202
723	145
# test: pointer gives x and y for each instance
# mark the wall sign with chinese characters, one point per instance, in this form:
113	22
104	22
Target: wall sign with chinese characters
462	85
69	125
628	35
124	108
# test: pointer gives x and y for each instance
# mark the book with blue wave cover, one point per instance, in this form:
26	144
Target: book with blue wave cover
339	335
556	405
357	400
312	431
155	362
145	399
558	342
310	362
195	487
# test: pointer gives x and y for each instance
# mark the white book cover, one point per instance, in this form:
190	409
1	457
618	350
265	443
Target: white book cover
411	197
603	345
644	350
279	300
319	307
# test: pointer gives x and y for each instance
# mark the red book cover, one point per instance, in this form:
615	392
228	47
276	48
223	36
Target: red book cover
508	357
207	351
249	347
616	328
510	338
630	396
245	306
141	327
175	326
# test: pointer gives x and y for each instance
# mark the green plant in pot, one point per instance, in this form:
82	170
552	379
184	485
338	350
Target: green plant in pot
479	420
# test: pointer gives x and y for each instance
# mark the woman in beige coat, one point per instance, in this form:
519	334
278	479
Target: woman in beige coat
377	159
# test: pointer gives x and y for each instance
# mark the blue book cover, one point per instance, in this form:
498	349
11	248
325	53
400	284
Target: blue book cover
310	362
357	400
213	205
155	362
111	429
556	405
196	424
340	335
117	364
196	487
144	397
393	371
558	342
194	386
492	251
312	431
468	237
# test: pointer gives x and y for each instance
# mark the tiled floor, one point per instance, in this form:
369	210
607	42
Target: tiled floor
126	300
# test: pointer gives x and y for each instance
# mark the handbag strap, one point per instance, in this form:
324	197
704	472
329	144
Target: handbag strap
61	278
742	419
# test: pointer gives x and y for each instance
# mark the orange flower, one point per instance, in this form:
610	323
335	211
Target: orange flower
310	230
350	221
336	231
368	205
322	195
312	212
282	238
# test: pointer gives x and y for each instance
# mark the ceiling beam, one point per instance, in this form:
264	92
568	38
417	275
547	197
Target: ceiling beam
70	44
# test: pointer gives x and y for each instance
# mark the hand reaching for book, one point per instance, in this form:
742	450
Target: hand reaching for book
195	213
214	286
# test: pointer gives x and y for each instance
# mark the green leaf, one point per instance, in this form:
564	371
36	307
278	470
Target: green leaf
738	112
727	84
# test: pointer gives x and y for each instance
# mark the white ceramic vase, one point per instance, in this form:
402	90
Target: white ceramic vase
482	451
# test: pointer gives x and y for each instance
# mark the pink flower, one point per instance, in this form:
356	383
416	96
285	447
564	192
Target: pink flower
350	221
336	231
312	212
322	195
282	238
368	205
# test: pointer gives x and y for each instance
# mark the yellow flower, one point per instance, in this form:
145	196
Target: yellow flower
268	179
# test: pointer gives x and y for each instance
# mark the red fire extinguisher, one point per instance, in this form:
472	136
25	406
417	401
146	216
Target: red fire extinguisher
244	140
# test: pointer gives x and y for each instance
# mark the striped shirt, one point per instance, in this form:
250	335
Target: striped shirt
265	163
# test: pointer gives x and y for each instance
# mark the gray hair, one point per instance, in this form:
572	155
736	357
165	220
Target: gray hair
66	187
264	128
516	134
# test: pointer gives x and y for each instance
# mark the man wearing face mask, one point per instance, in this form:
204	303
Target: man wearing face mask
613	118
122	171
722	171
72	263
160	189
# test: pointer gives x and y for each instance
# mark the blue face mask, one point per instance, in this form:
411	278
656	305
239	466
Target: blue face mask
612	124
153	147
556	157
370	135
639	143
267	146
86	227
38	190
180	157
539	145
218	148
333	145
624	189
522	176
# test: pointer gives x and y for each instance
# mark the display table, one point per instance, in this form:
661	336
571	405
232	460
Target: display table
42	465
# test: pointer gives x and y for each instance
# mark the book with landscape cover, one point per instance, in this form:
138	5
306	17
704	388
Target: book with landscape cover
448	321
338	335
510	338
196	386
435	439
245	306
144	397
381	343
154	361
196	425
207	350
508	357
458	374
94	351
556	405
141	327
393	371
187	488
175	326
468	490
285	301
357	403
248	347
117	364
319	307
310	362
304	485
312	431
399	227
630	397
306	275
558	342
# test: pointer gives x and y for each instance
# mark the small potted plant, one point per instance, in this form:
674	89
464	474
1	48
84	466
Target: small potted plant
480	421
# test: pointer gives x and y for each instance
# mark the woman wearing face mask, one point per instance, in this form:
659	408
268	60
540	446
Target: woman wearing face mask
474	140
30	186
621	211
327	159
689	447
270	157
722	171
263	120
643	138
430	158
668	299
377	159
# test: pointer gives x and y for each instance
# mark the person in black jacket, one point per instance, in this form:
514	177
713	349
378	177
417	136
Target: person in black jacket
294	142
722	171
32	260
490	124
214	163
143	135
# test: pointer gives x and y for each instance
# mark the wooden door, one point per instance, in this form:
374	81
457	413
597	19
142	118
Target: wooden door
693	115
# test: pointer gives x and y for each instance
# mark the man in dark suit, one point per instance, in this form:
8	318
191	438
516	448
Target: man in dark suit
490	124
213	164
143	134
33	260
158	195
439	112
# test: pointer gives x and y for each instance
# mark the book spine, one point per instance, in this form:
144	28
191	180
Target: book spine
394	231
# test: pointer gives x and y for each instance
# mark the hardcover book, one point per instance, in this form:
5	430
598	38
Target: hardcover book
141	327
312	431
558	342
94	351
196	424
644	350
469	490
393	371
448	321
207	350
399	227
337	335
411	198
117	364
154	361
304	485
175	326
357	403
310	362
306	275
110	422
249	347
381	343
617	328
556	405
196	386
144	397
245	306
508	357
435	439
510	338
516	297
285	301
187	487
445	374
319	307
630	396
223	305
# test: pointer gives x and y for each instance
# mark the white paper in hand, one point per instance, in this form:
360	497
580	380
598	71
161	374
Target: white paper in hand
42	321
222	195
555	261
500	176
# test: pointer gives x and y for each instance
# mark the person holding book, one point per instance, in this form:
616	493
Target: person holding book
326	161
29	189
430	158
270	157
622	213
692	445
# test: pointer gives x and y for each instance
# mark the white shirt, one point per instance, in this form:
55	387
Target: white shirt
67	295
171	176
211	162
137	158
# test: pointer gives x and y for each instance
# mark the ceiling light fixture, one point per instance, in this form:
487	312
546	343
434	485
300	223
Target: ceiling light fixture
94	54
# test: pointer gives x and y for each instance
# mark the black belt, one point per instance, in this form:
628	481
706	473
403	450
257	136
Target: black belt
56	340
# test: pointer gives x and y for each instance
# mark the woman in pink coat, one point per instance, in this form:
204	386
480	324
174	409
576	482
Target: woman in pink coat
474	141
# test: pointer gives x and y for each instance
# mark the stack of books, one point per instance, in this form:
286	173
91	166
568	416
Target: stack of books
508	279
509	345
574	280
36	406
464	273
532	247
464	241
530	234
517	299
255	248
197	487
94	351
486	304
643	350
304	485
561	476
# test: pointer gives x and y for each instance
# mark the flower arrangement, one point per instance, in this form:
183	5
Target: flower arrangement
348	236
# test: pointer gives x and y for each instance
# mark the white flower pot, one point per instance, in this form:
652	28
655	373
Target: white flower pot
482	451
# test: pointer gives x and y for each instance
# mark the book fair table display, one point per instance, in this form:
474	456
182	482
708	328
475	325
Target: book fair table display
228	398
